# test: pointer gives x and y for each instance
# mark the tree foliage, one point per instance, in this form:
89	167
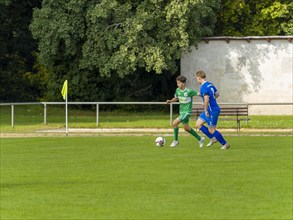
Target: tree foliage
119	37
89	41
5	2
255	18
17	74
117	50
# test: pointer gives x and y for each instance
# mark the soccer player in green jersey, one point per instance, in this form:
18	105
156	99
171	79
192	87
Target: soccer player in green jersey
184	96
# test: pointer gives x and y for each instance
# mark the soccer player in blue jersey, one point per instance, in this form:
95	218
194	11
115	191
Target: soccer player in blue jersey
209	94
184	96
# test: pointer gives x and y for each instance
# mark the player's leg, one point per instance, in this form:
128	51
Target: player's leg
207	131
191	131
176	122
185	122
220	138
212	129
200	125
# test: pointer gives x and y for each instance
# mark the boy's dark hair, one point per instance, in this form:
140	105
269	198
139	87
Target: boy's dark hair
181	78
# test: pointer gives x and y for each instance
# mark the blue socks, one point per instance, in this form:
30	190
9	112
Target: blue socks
205	130
217	135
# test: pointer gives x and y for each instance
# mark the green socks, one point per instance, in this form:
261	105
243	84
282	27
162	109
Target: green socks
193	133
176	131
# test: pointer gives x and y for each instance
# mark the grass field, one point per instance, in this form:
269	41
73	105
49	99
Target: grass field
130	178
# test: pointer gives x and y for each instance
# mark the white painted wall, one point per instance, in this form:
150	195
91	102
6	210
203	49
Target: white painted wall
245	72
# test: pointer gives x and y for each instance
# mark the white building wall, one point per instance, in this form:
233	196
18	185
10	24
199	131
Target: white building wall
257	71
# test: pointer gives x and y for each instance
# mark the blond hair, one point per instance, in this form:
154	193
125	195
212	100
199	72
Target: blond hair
201	74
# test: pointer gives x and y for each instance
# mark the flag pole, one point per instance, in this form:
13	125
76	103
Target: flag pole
66	115
64	93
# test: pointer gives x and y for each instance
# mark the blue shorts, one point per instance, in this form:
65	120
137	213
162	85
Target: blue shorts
212	119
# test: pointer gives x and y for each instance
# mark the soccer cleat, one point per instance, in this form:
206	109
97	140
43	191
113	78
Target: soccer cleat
174	143
225	147
212	141
201	141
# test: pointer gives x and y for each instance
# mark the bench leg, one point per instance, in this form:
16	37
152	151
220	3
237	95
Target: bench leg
238	125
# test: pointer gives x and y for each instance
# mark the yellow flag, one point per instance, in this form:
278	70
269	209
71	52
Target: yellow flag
64	90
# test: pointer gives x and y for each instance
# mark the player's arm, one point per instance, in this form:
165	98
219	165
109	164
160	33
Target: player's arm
217	94
206	100
172	100
194	93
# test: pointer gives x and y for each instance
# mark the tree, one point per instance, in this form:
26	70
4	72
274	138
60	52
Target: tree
17	80
255	18
83	40
5	2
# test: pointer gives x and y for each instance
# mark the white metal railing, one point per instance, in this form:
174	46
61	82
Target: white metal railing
83	103
118	103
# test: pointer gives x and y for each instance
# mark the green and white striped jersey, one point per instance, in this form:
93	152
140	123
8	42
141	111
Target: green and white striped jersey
185	99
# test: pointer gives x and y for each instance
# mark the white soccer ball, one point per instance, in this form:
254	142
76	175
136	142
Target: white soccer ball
160	141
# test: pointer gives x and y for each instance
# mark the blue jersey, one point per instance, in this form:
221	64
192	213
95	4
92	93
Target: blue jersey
209	89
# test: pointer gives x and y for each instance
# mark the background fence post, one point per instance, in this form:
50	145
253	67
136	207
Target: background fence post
97	116
12	116
171	113
45	113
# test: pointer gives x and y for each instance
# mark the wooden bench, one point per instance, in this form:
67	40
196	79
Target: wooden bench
236	113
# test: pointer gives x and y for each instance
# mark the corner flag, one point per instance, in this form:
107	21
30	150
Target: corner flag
64	94
64	90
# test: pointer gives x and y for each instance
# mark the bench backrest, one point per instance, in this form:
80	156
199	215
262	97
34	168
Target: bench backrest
225	110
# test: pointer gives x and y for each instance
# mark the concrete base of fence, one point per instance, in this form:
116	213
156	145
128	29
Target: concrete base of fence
142	132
